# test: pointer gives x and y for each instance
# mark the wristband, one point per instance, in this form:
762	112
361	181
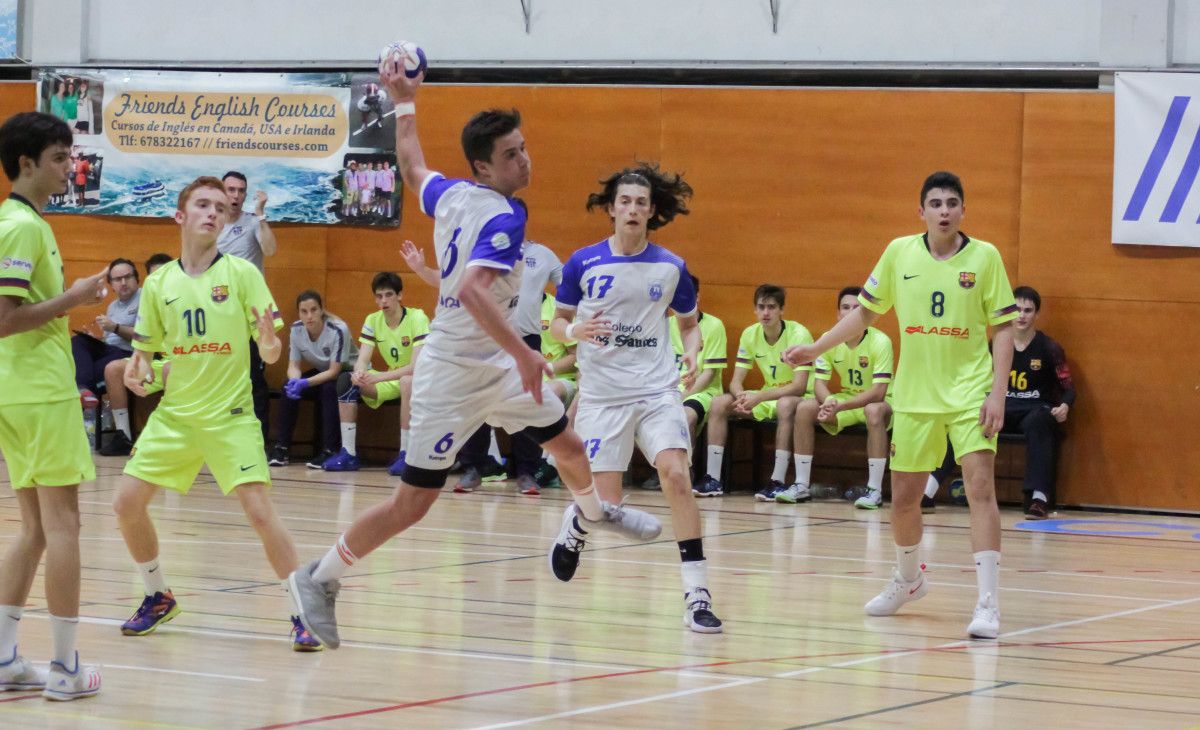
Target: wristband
570	332
405	109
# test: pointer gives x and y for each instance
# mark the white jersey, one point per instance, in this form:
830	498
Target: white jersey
541	267
473	226
634	292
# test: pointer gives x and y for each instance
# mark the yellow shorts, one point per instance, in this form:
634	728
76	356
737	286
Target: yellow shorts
704	400
846	419
156	385
765	411
385	391
919	439
169	452
44	444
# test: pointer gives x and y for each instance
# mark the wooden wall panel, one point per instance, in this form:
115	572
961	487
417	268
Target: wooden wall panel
805	188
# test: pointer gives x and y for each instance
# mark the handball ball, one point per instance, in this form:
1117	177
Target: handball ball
407	55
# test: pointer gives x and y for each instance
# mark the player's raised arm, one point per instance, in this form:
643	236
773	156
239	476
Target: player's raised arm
849	327
403	90
17	317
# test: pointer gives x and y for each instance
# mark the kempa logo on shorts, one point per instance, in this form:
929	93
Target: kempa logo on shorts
1154	165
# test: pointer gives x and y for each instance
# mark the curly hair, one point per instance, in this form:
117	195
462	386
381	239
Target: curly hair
669	192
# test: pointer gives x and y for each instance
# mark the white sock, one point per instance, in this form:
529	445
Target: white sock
1039	494
875	469
10	619
908	561
494	448
335	563
715	455
781	465
931	487
64	630
588	502
987	574
803	467
695	575
349	431
121	418
403	439
152	577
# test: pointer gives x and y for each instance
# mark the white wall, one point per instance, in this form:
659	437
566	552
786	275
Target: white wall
329	32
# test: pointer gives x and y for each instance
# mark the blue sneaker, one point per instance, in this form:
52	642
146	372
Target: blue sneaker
302	640
341	461
397	467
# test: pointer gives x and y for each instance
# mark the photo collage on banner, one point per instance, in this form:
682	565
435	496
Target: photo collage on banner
322	146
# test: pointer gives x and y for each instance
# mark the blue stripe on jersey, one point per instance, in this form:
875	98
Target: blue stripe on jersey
432	190
500	239
570	293
341	346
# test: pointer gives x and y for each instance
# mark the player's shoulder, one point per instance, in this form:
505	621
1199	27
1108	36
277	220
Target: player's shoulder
661	254
591	255
752	331
712	321
906	242
795	329
297	325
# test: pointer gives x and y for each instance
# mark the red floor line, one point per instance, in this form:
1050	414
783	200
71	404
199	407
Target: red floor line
685	667
23	697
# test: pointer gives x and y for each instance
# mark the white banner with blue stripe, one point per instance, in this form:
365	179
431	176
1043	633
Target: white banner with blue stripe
1156	158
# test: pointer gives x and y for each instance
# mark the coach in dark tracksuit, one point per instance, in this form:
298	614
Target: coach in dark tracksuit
1040	395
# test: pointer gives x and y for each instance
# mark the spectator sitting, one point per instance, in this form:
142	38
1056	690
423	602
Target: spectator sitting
323	342
92	353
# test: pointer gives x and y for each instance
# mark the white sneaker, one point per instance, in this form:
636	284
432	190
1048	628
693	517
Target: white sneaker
564	551
794	493
697	612
63	685
19	675
870	500
897	593
625	521
986	624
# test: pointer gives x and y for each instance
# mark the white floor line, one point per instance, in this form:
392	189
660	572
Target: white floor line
157	670
839	665
171	629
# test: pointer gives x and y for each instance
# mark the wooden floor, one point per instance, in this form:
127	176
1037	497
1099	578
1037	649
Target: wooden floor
459	623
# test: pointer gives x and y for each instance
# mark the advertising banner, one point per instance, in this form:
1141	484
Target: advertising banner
1156	156
320	146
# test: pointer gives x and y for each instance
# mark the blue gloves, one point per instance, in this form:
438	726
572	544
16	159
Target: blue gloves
294	387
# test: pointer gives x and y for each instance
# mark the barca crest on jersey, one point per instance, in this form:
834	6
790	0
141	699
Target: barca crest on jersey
966	279
655	291
404	341
545	325
1035	363
220	293
863	362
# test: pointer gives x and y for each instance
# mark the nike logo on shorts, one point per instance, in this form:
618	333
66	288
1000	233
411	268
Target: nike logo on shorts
247	468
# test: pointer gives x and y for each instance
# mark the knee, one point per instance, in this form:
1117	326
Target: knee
720	406
127	504
259	514
115	370
876	414
806	410
786	410
674	476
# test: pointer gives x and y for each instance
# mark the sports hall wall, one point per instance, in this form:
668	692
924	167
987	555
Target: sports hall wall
804	188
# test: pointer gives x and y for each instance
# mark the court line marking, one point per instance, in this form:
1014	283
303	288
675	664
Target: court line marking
905	706
887	654
157	670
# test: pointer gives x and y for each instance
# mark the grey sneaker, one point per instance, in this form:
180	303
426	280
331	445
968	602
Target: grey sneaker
794	493
626	521
564	553
470	480
315	603
18	674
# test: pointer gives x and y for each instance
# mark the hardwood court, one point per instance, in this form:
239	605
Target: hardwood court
459	624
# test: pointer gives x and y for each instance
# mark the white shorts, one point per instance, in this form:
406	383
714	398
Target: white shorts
365	194
609	432
450	401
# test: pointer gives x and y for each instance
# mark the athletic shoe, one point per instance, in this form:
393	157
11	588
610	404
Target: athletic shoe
118	445
528	485
87	398
546	475
279	456
319	459
301	639
19	675
627	522
896	594
708	487
769	492
986	623
470	480
928	506
63	684
697	612
564	553
870	500
342	461
1036	510
653	485
397	467
315	603
493	470
792	494
154	611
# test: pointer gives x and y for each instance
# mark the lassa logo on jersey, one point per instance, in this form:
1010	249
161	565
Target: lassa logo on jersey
203	348
961	333
220	293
